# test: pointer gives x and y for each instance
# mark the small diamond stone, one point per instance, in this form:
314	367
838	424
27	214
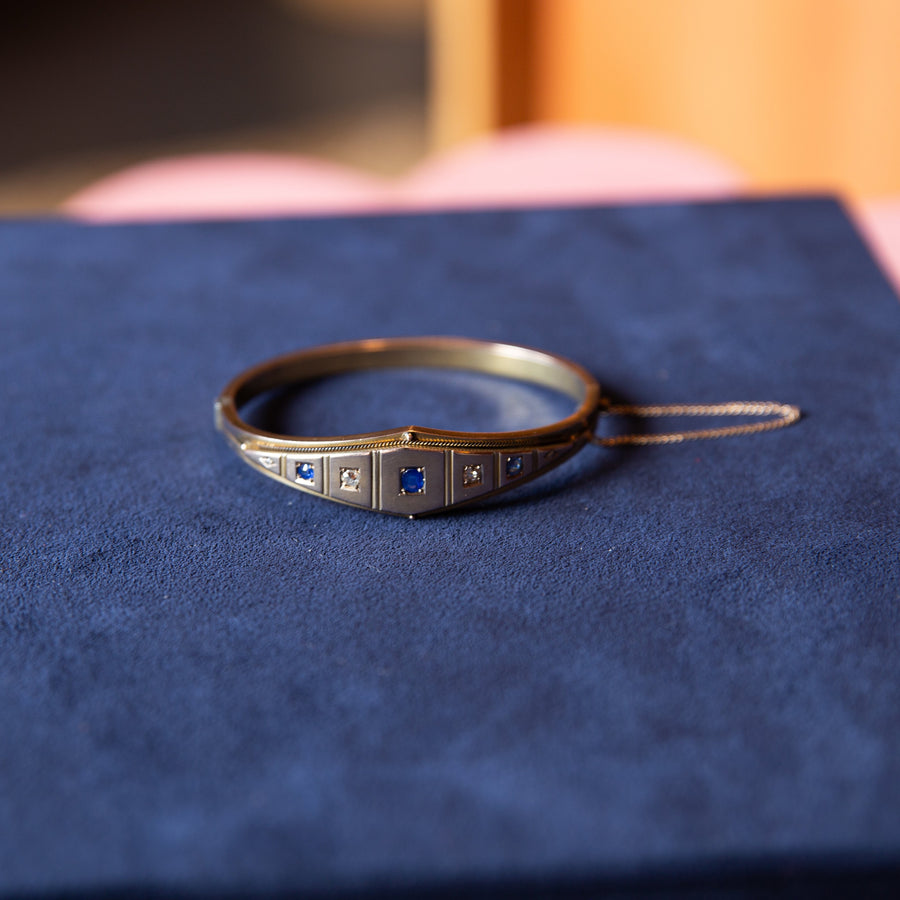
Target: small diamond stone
306	472
267	461
412	480
514	466
350	479
472	476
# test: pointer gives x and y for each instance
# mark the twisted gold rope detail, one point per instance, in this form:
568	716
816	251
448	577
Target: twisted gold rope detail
785	414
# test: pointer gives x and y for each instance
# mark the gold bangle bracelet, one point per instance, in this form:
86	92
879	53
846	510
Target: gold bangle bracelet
411	471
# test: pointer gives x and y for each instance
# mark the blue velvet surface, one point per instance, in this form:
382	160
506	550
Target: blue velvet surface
664	660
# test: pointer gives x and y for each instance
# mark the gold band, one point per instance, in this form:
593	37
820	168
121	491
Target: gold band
411	471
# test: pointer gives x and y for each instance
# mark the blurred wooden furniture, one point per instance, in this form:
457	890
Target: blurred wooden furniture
799	93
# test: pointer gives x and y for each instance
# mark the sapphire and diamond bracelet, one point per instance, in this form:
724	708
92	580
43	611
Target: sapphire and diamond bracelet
416	471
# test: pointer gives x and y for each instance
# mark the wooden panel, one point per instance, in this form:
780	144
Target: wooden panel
482	66
464	51
802	93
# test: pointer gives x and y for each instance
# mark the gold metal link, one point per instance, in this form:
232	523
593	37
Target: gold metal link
784	414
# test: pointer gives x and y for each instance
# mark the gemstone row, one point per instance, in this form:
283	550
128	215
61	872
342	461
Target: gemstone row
406	480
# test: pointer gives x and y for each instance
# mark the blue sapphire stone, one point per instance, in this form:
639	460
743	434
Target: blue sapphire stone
412	480
514	466
306	472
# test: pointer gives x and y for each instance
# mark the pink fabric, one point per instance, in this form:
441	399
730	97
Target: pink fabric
529	166
227	186
879	221
570	165
521	167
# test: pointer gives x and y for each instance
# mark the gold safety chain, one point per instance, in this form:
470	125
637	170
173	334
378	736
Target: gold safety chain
784	414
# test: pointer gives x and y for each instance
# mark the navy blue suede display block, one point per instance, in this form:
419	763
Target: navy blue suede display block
663	663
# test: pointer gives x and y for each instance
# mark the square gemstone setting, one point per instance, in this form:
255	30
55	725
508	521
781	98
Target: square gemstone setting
305	472
515	466
412	480
350	479
472	476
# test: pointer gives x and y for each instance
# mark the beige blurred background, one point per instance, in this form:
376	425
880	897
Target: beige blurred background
799	93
